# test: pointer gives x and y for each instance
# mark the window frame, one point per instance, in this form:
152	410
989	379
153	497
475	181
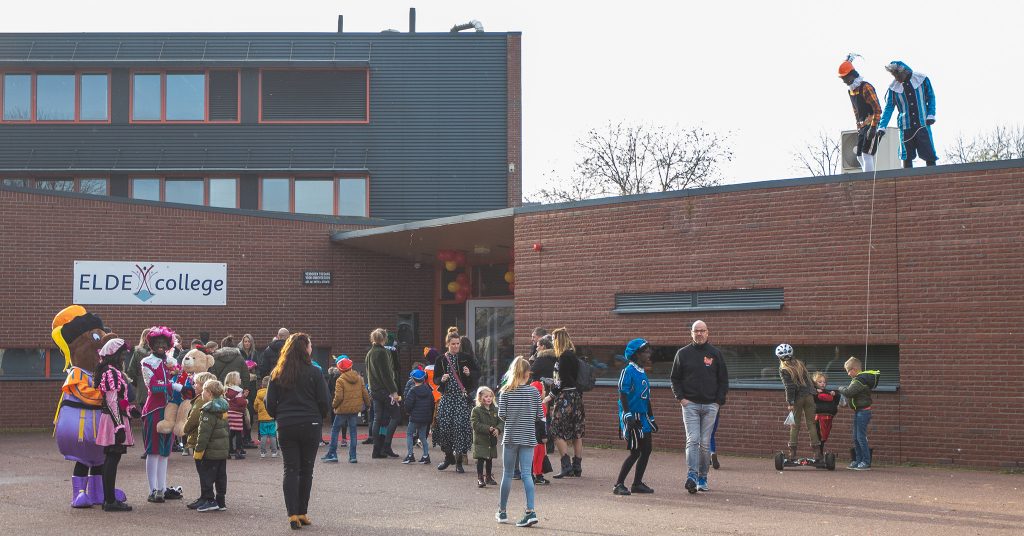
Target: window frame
206	188
259	95
33	96
334	177
48	372
205	72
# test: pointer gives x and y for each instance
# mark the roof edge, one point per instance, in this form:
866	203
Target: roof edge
341	236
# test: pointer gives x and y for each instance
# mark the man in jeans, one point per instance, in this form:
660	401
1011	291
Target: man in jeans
700	382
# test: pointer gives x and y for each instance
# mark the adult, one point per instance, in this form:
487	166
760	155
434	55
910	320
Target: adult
473	381
913	95
134	369
569	419
519	406
636	417
543	360
270	355
156	378
384	392
866	111
227	359
297	399
536	335
700	382
453	433
247	347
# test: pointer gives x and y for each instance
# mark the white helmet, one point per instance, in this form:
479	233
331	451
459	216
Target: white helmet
784	351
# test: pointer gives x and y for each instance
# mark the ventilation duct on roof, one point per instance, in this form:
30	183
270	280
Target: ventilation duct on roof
474	24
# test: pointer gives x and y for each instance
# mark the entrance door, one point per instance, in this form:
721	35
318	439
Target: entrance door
492	328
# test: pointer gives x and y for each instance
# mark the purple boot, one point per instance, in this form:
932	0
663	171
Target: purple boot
79	494
96	491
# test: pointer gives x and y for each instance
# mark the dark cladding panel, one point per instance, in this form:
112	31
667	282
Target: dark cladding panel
249	191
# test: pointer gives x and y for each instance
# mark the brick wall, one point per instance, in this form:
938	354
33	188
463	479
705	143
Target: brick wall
44	234
945	285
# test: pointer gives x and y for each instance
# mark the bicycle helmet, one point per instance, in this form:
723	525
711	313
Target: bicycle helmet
784	352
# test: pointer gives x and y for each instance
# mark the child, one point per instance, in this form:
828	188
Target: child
333	373
540	455
350	396
486	429
212	445
826	404
419	404
236	397
859	395
799	396
191	428
267	424
114	431
636	419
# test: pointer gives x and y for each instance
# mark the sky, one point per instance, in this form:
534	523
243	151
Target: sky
762	72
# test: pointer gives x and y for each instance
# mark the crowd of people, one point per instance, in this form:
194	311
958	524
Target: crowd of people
536	408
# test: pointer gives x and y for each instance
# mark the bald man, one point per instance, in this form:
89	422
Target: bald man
700	382
269	357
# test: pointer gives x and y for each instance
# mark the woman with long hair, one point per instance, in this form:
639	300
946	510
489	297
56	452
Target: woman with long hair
568	421
800	397
297	398
519	407
453	432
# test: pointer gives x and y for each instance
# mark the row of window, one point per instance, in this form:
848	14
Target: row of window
198	96
330	196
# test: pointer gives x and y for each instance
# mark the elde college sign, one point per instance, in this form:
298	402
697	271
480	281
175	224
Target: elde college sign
150	283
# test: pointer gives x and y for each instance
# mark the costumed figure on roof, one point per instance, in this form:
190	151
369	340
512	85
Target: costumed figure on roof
157	374
80	335
866	111
912	94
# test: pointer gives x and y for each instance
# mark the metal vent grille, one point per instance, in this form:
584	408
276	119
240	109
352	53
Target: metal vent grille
711	300
314	95
223	95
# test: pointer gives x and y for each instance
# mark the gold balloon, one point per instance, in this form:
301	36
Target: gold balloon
450	265
454	287
509	277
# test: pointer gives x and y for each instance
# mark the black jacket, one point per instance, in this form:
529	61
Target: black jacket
461	360
543	365
419	403
568	369
268	359
306	402
699	374
826	403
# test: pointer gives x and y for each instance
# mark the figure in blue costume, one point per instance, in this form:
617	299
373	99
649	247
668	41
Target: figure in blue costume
912	94
636	416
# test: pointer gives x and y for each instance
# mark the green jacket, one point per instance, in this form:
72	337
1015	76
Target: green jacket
859	390
213	442
380	370
484	444
191	428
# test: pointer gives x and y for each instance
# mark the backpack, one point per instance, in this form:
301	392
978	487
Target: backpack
585	378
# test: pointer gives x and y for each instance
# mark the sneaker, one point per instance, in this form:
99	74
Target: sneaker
490	481
425	460
539	479
343	443
263	455
641	488
501	517
691	485
702	484
172	493
853	465
863	466
208	505
330	458
184	452
273	454
353	460
480	482
409	459
620	489
195	504
221	507
155	497
116	506
714	461
529	519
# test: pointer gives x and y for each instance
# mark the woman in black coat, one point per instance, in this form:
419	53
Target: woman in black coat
453	432
298	400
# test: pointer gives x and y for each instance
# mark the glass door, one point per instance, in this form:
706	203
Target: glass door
492	328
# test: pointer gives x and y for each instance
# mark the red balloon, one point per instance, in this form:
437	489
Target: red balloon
512	287
462	279
460	257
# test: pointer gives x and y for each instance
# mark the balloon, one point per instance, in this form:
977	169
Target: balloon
459	257
512	287
509	277
462	295
450	266
454	287
462	278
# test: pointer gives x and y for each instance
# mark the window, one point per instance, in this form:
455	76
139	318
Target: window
314	96
214	192
339	196
30	363
59	185
16	182
352	197
209	96
189	191
17	97
489	280
93	98
55	97
755	366
148	189
93	186
314	196
224	193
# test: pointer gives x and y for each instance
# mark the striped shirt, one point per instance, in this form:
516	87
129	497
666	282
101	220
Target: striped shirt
520	408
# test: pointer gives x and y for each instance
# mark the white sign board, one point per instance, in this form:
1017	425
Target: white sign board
150	283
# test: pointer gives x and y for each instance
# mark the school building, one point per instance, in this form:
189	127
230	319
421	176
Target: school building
333	183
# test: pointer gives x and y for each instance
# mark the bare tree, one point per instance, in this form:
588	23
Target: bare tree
1000	143
624	159
819	156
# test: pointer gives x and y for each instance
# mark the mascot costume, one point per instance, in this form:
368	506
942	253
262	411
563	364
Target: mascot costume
180	402
156	378
80	335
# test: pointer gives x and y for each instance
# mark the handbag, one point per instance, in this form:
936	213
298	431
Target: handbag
540	429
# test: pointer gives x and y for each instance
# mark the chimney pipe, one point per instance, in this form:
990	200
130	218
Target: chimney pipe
341	23
412	20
